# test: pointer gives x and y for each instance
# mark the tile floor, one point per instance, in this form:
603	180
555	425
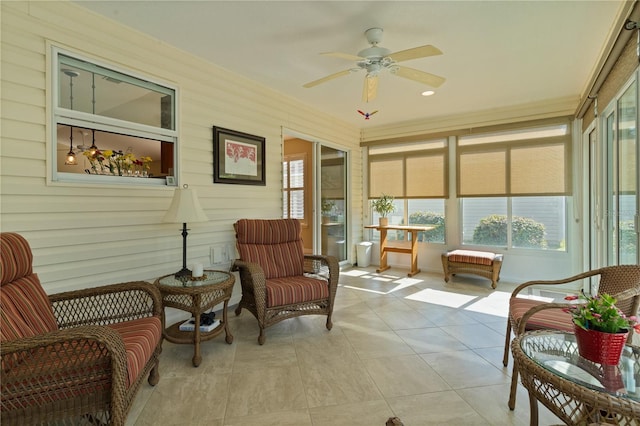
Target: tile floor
417	348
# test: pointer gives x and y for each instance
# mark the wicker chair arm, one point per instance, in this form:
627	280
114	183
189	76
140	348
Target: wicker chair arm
252	280
48	360
325	266
106	304
555	282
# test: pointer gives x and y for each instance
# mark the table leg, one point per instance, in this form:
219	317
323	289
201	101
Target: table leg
197	359
414	254
383	253
228	336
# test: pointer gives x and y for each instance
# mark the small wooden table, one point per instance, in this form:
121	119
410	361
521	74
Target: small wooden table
413	250
196	296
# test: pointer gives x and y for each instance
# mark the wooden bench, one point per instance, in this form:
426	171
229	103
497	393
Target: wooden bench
481	263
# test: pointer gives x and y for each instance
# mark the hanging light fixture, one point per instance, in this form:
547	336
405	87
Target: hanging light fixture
93	148
71	156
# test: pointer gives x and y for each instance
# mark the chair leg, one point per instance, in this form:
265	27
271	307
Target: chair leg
154	376
329	323
507	342
514	385
261	337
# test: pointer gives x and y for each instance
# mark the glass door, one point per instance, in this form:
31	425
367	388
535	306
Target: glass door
621	133
333	202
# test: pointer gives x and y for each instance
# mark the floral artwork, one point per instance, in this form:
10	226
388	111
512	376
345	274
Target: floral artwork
240	158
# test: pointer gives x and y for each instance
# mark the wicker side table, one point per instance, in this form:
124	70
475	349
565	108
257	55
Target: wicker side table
196	297
578	391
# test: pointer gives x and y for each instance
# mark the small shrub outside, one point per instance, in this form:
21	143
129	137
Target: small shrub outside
429	218
526	233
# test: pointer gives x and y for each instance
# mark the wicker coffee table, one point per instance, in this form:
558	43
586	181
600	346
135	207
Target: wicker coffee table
196	296
578	391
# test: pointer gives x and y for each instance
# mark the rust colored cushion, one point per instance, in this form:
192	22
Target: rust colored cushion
471	256
274	244
15	257
285	291
25	297
555	319
141	337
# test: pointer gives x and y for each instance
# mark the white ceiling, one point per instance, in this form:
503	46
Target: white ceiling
497	54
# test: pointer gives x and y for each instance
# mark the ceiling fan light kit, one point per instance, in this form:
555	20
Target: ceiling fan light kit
376	59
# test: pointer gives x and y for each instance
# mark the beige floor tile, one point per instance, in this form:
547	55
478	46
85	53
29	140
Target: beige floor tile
465	369
375	344
368	413
265	391
439	408
283	418
337	381
250	356
405	375
430	340
186	400
475	335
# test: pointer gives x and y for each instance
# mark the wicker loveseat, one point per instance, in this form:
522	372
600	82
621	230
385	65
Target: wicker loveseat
75	357
278	280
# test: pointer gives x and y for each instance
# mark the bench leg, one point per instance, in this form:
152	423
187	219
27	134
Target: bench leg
445	268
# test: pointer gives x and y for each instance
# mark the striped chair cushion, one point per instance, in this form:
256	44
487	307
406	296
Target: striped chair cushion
24	297
141	337
470	256
15	257
555	319
286	291
274	244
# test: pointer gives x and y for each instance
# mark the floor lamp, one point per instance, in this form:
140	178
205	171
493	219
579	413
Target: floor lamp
184	208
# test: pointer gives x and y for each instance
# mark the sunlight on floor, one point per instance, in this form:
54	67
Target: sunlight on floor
443	298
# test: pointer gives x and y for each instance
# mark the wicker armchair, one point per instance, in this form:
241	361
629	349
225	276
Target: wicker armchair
72	357
621	281
278	280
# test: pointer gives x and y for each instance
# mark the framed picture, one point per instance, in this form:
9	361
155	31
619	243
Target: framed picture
171	180
238	158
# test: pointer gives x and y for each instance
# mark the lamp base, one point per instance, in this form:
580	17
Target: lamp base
184	272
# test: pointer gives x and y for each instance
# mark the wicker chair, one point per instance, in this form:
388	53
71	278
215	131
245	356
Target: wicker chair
75	357
278	280
621	281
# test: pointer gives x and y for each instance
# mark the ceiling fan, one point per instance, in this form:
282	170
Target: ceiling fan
374	59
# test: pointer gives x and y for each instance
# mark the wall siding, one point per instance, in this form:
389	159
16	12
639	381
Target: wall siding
88	235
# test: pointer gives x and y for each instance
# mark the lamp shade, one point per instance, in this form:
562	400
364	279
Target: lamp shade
185	207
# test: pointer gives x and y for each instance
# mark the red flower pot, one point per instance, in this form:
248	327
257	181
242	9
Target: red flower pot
600	347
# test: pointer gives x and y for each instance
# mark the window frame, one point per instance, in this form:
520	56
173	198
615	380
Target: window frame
59	115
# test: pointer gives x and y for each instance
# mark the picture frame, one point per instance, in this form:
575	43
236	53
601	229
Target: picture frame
171	180
238	158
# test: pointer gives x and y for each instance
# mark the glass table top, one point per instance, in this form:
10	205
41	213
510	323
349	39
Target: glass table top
209	278
558	352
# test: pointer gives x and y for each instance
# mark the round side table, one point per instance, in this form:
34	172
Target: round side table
196	296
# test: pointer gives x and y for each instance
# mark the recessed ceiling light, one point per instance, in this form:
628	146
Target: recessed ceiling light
428	93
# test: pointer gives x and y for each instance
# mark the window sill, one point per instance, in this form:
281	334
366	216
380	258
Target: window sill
78	178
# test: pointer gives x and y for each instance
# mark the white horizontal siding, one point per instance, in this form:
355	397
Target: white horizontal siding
88	235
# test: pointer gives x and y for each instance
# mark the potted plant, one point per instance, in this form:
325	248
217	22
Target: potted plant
601	329
327	207
383	206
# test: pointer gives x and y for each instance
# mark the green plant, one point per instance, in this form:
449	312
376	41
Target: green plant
327	206
383	205
429	218
492	230
601	314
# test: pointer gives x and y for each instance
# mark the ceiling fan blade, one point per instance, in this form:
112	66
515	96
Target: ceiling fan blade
419	76
346	56
370	89
415	53
327	78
